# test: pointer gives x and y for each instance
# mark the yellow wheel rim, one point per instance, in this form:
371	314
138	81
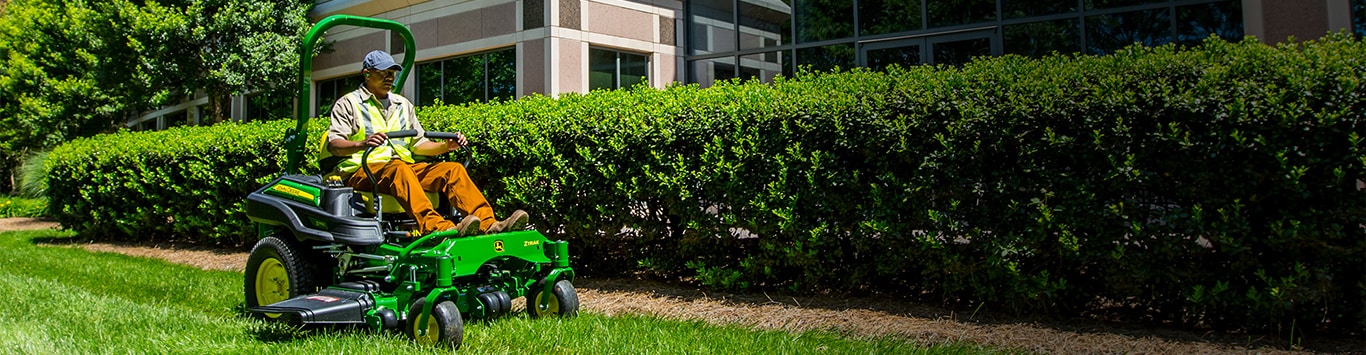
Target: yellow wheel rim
272	283
433	331
553	307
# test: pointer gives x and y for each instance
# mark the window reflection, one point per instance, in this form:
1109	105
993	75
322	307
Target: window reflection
887	16
764	23
958	12
1025	8
269	105
707	72
1107	33
905	57
1359	16
957	53
330	90
1105	4
762	66
827	58
502	75
738	38
464	80
713	29
610	70
819	20
428	83
1037	39
481	77
1194	23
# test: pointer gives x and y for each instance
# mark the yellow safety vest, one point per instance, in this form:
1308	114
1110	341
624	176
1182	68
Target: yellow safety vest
373	121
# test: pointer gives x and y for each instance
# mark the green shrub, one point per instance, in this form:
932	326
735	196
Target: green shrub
1214	186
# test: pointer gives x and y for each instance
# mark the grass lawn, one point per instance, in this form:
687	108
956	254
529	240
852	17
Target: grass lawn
13	206
68	300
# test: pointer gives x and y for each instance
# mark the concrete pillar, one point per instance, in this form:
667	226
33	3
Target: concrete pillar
1275	21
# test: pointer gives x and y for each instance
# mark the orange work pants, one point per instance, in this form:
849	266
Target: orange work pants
407	183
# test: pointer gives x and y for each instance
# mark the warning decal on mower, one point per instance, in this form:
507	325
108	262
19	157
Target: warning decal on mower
498	246
323	299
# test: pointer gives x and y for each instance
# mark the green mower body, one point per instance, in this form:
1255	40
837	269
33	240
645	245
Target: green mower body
328	256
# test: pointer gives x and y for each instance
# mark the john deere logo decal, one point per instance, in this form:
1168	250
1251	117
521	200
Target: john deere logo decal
295	191
498	246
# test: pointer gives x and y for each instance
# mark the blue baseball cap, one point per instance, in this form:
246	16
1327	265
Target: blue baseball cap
378	59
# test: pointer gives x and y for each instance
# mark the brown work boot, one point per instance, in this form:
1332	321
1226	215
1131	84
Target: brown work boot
514	222
467	226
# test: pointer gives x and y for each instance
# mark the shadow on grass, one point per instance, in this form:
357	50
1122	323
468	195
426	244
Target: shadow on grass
181	245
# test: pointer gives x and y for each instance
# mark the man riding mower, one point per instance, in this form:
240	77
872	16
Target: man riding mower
335	249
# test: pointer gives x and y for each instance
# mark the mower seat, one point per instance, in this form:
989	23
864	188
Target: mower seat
389	204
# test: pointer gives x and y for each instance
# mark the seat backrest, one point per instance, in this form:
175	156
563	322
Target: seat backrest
389	204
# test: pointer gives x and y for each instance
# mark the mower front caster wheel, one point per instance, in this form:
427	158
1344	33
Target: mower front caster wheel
563	302
444	326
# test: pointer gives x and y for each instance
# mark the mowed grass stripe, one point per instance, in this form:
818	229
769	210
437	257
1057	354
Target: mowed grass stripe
68	300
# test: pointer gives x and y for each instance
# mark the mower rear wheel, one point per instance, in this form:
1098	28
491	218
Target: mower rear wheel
443	327
563	302
275	272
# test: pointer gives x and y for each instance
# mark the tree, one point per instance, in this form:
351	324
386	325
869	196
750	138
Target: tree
217	47
51	65
77	68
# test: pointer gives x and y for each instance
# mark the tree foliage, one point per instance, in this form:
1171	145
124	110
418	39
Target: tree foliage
76	68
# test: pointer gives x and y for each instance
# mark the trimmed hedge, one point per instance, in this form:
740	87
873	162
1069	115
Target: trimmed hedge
184	182
1215	186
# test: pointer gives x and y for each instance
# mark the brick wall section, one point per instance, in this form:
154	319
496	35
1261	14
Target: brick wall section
621	22
533	14
532	71
666	31
570	63
466	26
352	50
1303	19
570	14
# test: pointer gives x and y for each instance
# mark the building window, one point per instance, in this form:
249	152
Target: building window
733	38
1107	33
713	26
824	20
609	69
959	12
179	119
480	77
888	16
1037	39
1027	8
329	91
1105	4
269	105
1359	17
146	125
1195	23
826	58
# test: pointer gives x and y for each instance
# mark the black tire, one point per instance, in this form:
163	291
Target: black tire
444	325
492	305
504	303
564	301
276	271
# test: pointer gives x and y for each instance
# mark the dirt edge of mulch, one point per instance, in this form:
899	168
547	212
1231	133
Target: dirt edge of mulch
855	316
